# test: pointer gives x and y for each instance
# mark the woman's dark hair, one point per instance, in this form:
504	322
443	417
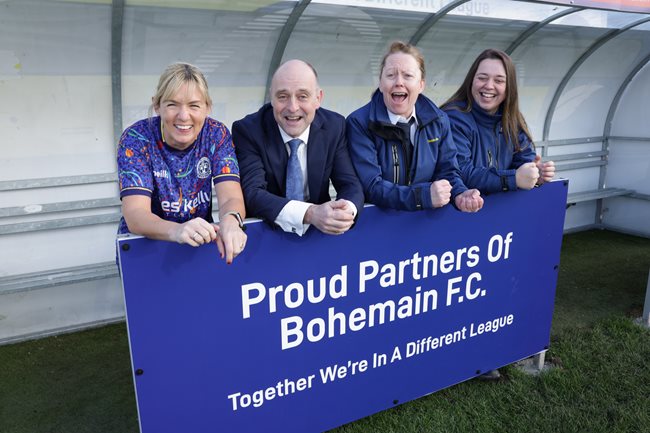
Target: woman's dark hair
512	121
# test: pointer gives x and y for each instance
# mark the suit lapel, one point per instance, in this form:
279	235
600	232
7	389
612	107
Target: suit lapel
276	150
316	152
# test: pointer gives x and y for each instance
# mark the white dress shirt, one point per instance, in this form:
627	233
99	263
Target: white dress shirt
394	118
292	215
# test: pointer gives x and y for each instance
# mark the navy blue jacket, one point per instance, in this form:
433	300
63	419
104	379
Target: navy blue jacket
263	159
378	150
486	158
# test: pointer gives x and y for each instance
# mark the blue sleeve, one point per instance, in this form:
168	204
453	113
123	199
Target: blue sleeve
224	160
526	154
134	170
379	191
447	163
260	202
467	139
343	176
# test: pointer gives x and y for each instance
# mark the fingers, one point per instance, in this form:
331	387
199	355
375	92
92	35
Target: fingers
231	242
338	204
330	217
195	232
469	201
527	175
440	193
337	223
547	172
220	245
337	227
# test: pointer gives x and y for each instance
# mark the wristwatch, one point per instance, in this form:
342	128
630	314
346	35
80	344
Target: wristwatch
238	217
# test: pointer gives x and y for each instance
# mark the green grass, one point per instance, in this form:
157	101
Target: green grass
601	381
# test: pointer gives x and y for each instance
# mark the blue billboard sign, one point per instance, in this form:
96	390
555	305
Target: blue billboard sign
303	334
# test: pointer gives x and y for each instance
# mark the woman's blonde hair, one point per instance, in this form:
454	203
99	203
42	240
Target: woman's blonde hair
174	76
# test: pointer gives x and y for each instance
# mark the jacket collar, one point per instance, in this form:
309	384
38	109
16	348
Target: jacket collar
483	117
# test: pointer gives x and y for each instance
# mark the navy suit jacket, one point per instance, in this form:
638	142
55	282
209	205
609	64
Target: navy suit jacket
263	159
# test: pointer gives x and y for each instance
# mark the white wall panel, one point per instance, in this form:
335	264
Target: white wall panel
579	215
55	89
628	214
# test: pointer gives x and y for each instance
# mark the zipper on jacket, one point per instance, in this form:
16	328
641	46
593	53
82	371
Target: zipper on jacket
408	155
395	165
496	144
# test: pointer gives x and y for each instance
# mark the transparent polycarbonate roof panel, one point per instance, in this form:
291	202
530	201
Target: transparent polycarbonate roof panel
637	94
508	10
645	27
345	45
453	43
542	62
233	46
396	6
55	88
583	106
599	18
504	9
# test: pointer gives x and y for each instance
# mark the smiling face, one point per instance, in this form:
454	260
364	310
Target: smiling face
489	85
295	97
183	115
401	83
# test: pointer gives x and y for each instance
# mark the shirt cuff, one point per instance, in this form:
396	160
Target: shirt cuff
291	217
354	208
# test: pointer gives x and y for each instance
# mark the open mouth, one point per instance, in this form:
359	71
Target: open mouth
183	127
487	95
292	119
398	97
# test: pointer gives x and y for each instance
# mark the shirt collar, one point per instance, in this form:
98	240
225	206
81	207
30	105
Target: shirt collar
394	118
286	137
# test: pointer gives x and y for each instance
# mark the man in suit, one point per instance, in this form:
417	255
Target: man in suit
289	150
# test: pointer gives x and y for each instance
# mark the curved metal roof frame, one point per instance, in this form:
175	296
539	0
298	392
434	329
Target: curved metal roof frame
565	80
281	45
614	105
535	27
432	19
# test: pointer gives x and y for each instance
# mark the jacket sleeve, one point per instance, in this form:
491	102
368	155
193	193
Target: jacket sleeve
343	176
526	154
447	163
379	191
259	201
485	179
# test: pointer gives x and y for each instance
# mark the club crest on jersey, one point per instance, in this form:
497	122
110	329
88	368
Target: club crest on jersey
203	168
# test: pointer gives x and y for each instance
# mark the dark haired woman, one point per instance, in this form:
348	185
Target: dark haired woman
495	148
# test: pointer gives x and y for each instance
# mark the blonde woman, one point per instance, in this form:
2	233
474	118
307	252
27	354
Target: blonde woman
168	163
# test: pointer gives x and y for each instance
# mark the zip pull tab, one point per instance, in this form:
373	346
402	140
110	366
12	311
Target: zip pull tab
395	165
489	158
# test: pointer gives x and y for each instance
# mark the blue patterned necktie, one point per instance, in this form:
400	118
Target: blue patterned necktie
295	190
